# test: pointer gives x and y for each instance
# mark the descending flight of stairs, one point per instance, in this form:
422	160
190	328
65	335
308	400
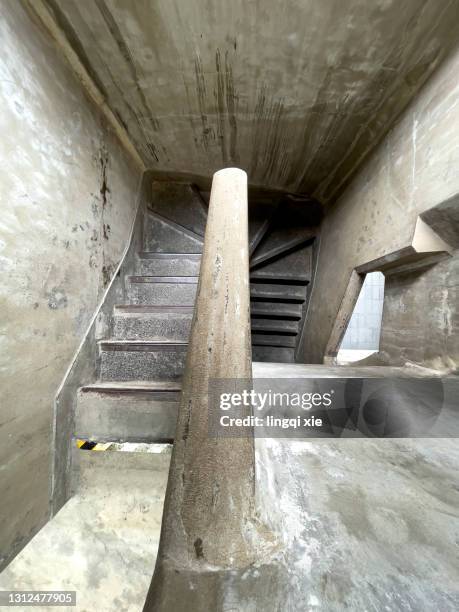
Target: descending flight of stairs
141	362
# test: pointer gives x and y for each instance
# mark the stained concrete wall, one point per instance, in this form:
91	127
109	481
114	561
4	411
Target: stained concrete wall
421	317
67	194
412	170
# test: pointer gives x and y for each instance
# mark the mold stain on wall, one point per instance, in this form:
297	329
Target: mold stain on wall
67	193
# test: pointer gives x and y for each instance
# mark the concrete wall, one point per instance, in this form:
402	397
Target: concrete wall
295	92
67	198
411	171
421	316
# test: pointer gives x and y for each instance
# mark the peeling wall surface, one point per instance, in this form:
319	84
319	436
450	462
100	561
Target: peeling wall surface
67	200
414	169
296	93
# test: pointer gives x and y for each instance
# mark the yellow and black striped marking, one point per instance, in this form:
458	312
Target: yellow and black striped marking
94	446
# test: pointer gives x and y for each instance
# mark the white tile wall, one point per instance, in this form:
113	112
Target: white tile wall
364	327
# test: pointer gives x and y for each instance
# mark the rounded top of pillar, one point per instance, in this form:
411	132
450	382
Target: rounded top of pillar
231	172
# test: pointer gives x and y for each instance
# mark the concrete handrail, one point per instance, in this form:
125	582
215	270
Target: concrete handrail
210	494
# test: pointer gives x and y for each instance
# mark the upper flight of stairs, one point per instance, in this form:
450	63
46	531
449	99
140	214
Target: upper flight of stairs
141	362
280	272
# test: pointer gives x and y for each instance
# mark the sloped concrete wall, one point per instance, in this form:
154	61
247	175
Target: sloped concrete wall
421	316
67	202
413	170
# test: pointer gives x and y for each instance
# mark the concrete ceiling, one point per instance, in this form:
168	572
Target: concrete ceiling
295	92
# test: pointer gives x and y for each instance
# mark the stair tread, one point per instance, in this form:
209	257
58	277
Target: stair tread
162	291
164	236
280	241
176	226
278	325
114	341
158	278
171	265
180	203
273	291
146	309
141	343
273	354
280	277
157	255
294	266
260	216
133	386
257	231
273	340
278	309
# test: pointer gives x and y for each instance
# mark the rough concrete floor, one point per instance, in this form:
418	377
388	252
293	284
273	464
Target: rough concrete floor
364	525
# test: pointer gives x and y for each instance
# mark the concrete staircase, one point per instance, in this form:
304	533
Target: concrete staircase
141	361
280	272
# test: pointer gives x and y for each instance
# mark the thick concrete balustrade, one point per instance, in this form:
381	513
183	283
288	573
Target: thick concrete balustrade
210	496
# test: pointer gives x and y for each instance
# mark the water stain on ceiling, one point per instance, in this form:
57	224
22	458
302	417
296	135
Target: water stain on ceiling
297	92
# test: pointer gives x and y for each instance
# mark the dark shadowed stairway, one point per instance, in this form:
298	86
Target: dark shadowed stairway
141	362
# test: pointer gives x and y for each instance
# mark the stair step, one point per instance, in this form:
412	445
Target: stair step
257	231
112	471
174	280
276	309
162	290
164	324
273	291
146	308
273	354
168	264
163	236
281	240
294	266
273	340
260	216
274	325
123	360
138	411
134	386
154	255
139	345
180	203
